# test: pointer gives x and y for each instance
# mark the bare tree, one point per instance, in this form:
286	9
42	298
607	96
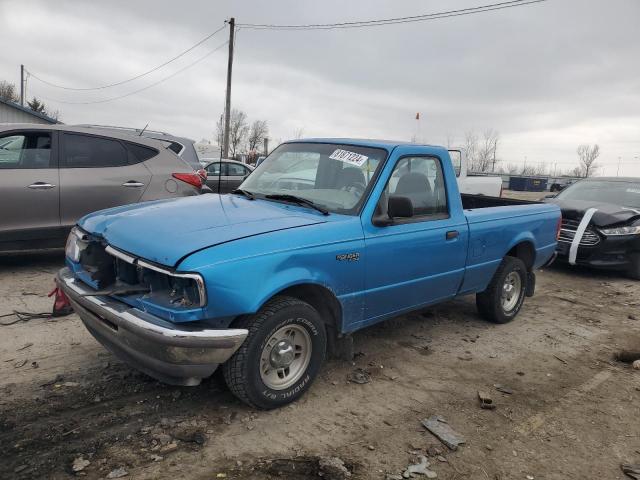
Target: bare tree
257	133
540	169
471	148
588	155
511	168
486	156
576	172
450	139
481	153
298	133
238	130
8	91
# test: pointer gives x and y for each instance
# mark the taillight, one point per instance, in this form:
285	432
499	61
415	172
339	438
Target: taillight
558	227
193	178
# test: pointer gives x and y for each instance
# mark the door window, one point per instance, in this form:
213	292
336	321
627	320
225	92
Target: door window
420	180
26	150
139	153
235	170
213	169
84	151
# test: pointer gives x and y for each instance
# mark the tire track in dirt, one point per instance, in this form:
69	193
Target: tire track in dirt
106	420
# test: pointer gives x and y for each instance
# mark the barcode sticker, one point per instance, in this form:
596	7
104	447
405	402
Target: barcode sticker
349	157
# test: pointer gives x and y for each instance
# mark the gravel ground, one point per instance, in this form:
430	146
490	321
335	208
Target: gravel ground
574	412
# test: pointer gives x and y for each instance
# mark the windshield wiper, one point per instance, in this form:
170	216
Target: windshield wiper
299	200
246	193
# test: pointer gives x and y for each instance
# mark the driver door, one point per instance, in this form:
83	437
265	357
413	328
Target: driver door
417	261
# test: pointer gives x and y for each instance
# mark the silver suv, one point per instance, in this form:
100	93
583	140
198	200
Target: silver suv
51	175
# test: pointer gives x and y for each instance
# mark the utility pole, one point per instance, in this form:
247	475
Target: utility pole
22	85
493	167
227	109
266	146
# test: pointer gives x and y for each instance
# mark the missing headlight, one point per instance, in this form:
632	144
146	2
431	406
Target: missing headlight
165	286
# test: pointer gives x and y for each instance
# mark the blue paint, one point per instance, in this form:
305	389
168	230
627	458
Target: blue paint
250	250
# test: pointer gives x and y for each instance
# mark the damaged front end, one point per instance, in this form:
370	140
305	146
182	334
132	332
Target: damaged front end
174	296
148	315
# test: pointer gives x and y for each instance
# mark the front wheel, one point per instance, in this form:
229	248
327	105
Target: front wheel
503	298
280	357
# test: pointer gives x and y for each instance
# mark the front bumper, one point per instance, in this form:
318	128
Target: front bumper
611	252
178	355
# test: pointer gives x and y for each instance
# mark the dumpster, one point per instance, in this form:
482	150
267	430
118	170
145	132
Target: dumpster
528	184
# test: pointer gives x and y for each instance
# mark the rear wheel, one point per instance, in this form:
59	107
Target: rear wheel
503	298
280	357
634	266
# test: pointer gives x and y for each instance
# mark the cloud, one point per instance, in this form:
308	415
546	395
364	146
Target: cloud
547	76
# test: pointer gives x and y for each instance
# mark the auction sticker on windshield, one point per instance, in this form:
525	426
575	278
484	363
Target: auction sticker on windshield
348	157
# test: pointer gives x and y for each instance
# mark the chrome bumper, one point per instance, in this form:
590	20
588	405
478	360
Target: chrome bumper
172	353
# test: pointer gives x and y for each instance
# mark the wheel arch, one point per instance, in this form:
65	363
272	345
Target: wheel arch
326	303
319	297
525	251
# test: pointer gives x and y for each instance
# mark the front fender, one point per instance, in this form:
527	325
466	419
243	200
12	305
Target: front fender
240	285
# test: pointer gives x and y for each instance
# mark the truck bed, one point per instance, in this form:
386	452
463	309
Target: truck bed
496	225
470	201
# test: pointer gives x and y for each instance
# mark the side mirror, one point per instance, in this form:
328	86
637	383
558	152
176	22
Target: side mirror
398	207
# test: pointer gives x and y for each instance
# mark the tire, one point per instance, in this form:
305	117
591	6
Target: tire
491	303
634	266
284	330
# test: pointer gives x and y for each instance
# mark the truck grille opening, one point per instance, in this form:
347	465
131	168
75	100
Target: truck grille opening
568	232
120	274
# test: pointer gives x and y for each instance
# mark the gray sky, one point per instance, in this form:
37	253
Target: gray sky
548	76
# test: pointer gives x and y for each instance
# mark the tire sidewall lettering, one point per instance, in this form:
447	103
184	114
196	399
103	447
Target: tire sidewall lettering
300	386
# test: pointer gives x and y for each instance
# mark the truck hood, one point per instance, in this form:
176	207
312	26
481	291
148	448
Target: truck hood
168	230
607	213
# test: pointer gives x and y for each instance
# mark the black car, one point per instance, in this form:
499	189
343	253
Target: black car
607	212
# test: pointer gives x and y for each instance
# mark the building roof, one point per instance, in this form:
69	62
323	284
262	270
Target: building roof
27	110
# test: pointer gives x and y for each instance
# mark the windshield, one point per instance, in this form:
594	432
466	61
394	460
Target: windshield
625	194
332	176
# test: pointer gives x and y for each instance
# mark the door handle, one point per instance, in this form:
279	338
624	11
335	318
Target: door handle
451	234
41	186
133	183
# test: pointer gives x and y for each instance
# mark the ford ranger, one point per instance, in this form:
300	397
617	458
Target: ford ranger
270	279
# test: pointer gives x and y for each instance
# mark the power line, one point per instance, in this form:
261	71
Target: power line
102	87
393	21
143	88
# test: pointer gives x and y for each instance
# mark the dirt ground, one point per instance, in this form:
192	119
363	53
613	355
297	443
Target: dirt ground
574	412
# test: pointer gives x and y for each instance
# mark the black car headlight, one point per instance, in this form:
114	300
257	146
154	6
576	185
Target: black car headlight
617	231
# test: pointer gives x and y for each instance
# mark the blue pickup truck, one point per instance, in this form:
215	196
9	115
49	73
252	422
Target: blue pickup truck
325	237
